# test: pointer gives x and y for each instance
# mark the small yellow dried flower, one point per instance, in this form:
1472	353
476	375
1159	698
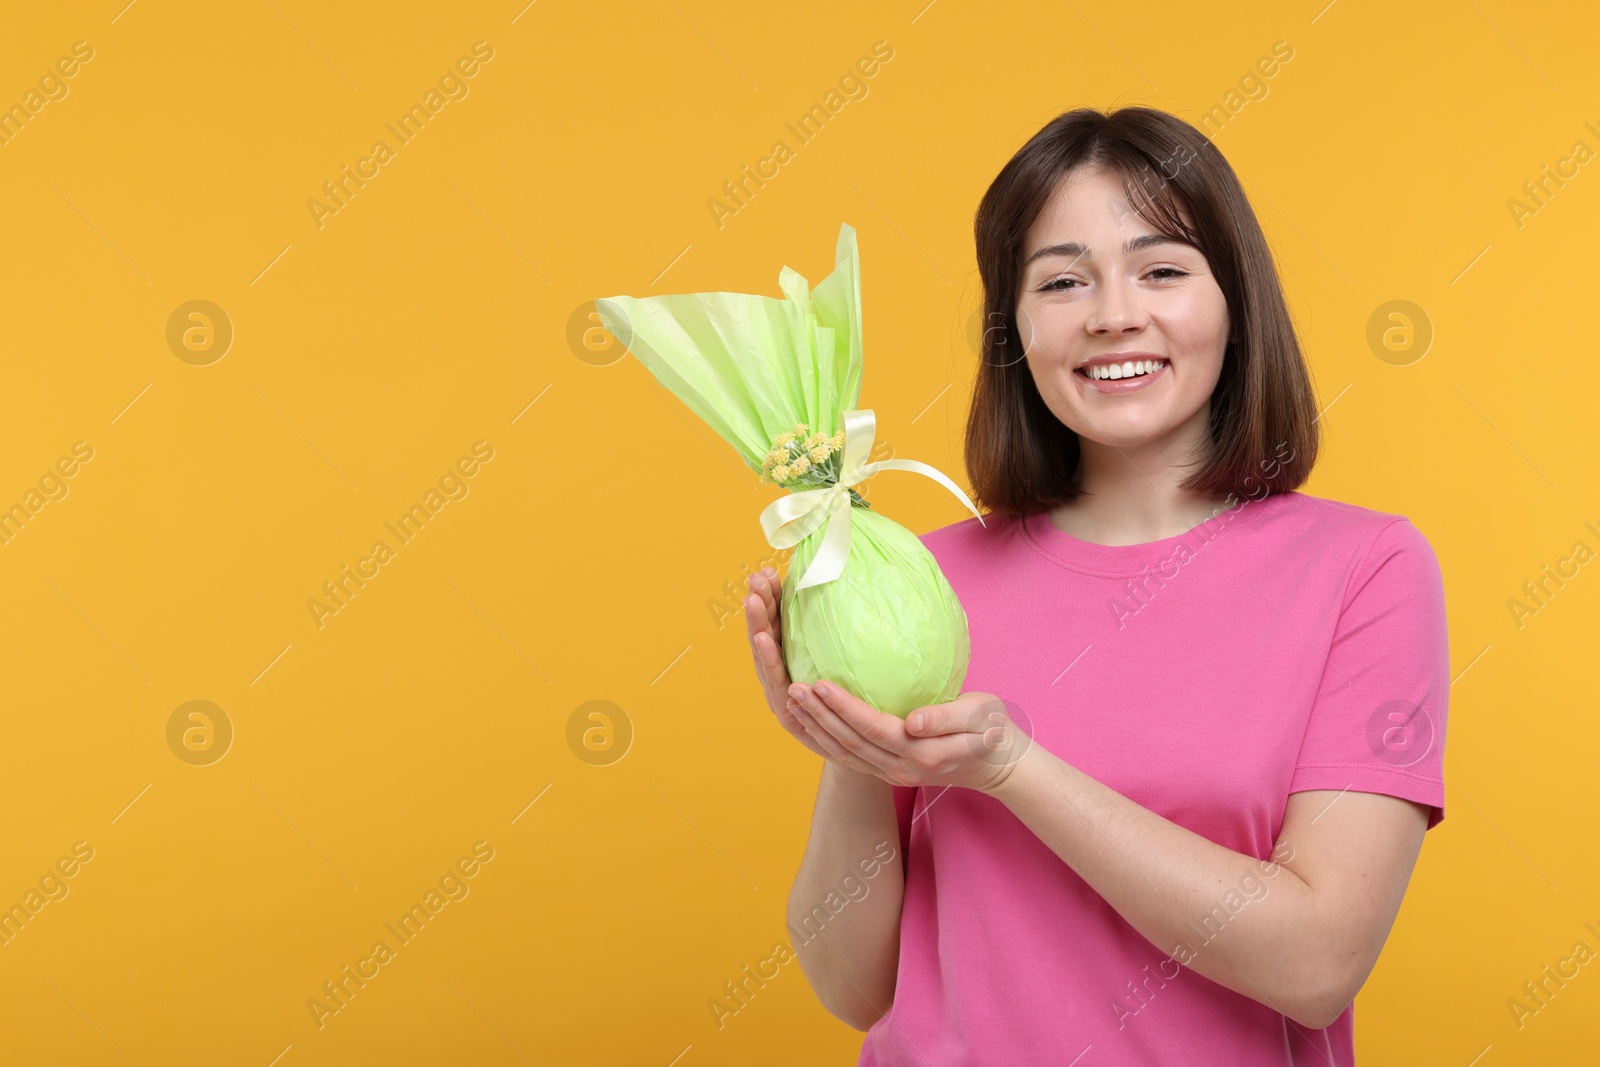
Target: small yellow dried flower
780	473
820	452
800	466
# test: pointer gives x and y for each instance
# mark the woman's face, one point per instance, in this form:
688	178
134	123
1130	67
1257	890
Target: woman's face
1086	297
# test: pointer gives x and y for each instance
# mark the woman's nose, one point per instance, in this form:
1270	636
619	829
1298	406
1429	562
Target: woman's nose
1115	308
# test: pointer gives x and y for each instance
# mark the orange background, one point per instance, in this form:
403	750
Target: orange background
447	302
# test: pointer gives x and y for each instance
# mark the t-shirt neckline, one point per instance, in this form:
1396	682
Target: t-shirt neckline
1121	561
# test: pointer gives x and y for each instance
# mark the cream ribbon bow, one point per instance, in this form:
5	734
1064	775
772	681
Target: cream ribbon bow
789	520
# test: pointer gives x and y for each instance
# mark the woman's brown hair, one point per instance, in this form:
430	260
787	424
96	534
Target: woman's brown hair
1020	458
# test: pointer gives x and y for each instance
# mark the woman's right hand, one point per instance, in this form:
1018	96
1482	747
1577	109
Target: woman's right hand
761	609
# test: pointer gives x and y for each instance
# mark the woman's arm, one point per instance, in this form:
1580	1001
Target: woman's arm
852	858
844	906
1302	946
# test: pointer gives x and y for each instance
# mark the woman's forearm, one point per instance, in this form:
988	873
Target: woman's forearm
1181	891
844	907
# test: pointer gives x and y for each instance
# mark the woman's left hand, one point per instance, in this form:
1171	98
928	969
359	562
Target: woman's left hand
971	741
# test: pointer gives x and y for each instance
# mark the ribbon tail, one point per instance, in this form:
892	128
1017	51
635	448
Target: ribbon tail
834	551
918	467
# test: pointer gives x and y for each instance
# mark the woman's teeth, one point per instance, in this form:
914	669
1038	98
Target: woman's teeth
1130	369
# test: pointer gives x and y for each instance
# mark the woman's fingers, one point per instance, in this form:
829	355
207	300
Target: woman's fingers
770	590
875	758
772	666
775	595
794	722
830	746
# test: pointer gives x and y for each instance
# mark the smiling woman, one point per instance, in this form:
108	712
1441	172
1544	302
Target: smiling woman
1076	814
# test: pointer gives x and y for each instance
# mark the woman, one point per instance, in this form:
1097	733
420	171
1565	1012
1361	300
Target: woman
1173	817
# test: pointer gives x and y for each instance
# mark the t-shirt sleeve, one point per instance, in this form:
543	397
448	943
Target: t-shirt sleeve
1378	722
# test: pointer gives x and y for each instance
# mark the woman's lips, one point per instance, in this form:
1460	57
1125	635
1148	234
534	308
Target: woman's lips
1117	386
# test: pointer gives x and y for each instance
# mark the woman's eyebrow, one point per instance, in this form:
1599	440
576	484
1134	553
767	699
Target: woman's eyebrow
1079	251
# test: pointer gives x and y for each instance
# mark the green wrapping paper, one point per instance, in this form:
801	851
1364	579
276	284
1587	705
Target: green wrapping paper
864	602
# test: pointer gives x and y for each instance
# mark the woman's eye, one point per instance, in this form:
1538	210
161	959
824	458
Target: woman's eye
1056	285
1171	272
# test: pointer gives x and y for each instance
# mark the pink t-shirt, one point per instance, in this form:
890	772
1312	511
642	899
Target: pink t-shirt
1290	643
